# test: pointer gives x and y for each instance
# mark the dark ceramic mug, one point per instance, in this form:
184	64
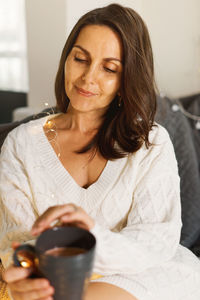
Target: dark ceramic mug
68	275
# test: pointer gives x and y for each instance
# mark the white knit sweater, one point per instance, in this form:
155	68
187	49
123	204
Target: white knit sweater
135	203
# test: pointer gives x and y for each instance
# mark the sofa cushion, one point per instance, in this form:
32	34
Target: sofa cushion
178	126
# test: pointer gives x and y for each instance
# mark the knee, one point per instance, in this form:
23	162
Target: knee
106	291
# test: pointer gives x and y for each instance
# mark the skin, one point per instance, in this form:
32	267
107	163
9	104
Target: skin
92	79
94	64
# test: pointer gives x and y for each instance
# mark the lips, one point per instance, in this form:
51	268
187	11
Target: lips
84	92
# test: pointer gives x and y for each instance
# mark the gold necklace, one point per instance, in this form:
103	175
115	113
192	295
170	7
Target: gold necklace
50	128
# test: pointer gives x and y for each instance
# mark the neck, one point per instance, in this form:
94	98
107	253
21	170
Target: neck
84	122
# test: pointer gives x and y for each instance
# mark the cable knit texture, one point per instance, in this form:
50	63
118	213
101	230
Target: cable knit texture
135	203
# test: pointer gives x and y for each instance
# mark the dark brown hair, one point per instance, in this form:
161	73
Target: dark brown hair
124	129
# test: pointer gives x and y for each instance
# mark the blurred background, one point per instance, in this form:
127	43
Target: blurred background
33	33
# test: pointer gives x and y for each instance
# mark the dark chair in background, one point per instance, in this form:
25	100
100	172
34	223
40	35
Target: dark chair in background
186	140
8	102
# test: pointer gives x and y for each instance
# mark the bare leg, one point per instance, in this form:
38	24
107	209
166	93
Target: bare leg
106	291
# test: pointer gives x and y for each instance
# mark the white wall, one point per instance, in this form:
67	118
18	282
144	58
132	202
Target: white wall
174	27
46	34
73	14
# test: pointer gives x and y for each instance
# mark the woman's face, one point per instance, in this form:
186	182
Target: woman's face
93	69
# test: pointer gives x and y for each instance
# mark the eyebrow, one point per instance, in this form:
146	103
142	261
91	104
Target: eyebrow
88	53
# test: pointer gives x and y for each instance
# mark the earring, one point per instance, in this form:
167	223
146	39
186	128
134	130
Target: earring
119	104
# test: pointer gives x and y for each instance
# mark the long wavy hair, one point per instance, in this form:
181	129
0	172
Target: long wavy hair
124	129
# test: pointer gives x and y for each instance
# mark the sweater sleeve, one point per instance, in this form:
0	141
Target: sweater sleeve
16	210
152	233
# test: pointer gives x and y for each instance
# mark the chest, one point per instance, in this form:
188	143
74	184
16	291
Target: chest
110	196
84	168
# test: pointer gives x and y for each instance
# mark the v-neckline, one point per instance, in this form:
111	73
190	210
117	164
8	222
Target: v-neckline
89	197
59	165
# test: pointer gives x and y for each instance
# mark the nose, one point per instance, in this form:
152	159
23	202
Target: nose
90	75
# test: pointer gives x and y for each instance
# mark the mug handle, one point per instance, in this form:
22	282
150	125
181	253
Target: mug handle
25	256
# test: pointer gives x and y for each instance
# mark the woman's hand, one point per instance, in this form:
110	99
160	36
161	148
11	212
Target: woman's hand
64	214
23	288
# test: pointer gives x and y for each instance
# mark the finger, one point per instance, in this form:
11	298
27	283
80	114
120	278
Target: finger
16	273
15	245
47	298
53	213
34	295
79	216
50	215
38	294
28	285
18	296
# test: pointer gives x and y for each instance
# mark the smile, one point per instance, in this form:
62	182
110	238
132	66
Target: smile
84	92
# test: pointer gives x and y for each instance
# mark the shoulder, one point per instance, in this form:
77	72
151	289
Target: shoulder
159	135
160	150
22	135
160	142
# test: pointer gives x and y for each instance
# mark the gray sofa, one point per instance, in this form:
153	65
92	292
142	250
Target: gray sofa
186	140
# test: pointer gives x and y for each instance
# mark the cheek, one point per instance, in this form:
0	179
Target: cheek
66	83
68	71
69	76
111	86
72	74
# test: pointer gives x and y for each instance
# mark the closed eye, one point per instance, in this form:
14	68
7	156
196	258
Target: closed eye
79	59
109	70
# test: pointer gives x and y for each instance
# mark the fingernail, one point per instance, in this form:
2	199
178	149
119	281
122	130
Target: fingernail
51	289
64	218
45	283
34	231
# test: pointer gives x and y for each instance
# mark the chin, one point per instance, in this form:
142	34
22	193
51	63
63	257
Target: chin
80	108
87	109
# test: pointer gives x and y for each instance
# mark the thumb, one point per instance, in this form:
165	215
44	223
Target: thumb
16	273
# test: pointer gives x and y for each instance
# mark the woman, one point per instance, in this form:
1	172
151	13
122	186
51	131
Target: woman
101	164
